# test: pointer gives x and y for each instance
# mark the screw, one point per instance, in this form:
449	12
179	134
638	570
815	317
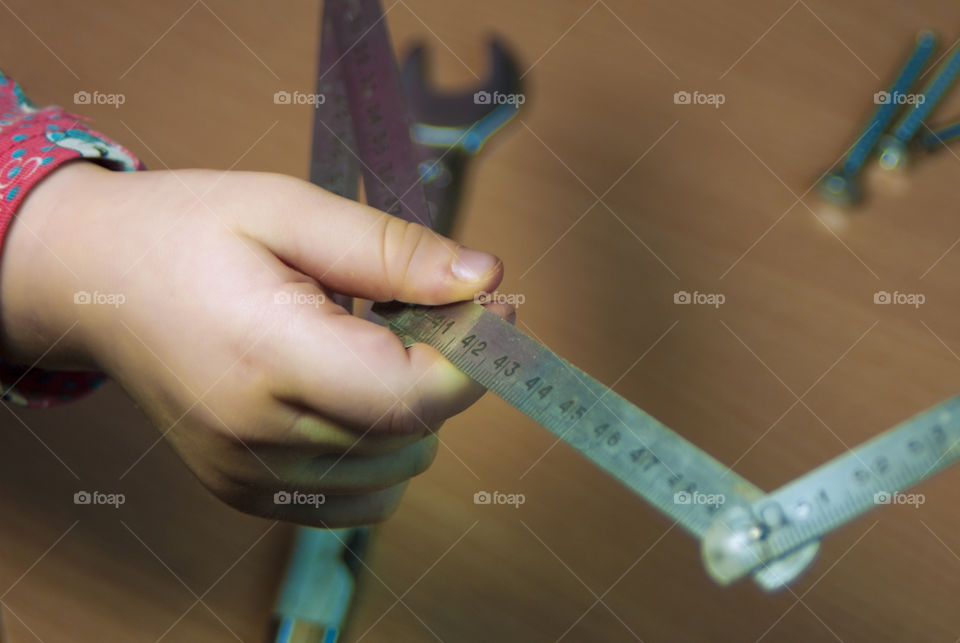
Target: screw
942	136
840	185
893	147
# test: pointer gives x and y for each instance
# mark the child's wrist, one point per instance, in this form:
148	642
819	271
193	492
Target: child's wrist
41	270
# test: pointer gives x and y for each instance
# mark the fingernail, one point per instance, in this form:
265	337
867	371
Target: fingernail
472	265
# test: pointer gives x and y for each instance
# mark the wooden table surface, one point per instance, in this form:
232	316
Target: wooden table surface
604	200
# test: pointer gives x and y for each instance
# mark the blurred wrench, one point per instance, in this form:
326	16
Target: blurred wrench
450	127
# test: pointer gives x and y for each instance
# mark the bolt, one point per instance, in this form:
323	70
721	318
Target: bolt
840	186
942	136
893	147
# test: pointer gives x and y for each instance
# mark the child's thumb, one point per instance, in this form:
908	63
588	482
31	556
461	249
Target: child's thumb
359	251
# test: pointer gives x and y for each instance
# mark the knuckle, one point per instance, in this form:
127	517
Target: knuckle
293	298
426	404
232	416
233	490
426	454
372	339
252	351
402	242
269	306
405	416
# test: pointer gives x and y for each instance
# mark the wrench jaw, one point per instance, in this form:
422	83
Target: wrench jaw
457	108
736	545
450	127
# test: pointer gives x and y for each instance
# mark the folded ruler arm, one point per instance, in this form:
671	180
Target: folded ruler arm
873	473
668	471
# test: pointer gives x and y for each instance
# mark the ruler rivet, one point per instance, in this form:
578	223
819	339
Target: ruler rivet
772	515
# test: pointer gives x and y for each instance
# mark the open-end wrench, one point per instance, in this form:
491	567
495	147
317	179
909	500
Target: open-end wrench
450	127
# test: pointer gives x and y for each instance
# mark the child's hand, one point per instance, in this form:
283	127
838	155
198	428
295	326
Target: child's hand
215	316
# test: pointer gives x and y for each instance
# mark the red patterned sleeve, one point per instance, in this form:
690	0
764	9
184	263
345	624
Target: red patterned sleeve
34	142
